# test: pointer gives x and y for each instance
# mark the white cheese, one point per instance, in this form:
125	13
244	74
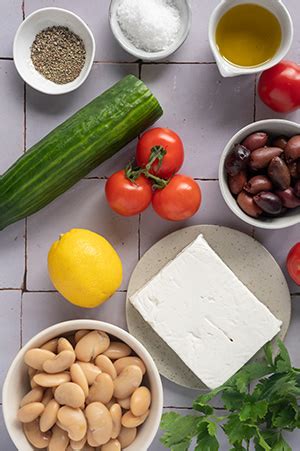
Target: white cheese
206	314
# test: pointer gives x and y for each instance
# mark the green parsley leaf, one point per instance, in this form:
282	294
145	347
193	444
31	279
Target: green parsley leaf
212	429
254	411
233	400
238	447
206	438
203	400
179	430
268	350
248	374
281	445
282	360
237	430
207	443
285	415
262	443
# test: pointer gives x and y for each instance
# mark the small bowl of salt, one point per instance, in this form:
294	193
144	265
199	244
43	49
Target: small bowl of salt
150	30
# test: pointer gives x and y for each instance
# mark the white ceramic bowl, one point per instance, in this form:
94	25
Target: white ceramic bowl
26	33
16	382
186	16
275	127
278	8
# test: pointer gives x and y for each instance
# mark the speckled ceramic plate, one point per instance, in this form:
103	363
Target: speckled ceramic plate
247	258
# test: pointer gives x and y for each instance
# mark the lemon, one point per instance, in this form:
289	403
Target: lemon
84	268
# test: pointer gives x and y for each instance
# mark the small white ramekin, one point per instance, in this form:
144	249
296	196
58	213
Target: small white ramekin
186	16
275	127
16	382
26	33
278	9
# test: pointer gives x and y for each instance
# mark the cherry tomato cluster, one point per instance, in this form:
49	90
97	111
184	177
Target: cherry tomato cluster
153	178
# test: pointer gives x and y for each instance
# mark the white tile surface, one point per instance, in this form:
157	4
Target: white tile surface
6	443
83	206
10	311
11	16
153	228
42	310
203	108
206	111
11	115
12	256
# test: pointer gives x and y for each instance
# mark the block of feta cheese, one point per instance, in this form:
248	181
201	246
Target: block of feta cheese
199	307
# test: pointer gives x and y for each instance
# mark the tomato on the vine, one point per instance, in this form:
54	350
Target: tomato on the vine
128	197
165	148
293	263
179	200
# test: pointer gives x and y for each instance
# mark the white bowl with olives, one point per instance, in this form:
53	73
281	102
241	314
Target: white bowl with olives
82	384
259	174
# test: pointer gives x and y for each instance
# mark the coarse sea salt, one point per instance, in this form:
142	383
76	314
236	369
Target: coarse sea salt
151	25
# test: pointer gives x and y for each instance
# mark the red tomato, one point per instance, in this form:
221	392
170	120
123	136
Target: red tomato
128	197
170	141
293	263
179	200
279	87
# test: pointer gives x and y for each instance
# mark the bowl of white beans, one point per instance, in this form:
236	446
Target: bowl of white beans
82	385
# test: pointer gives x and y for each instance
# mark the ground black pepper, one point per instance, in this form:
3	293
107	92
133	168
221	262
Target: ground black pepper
58	54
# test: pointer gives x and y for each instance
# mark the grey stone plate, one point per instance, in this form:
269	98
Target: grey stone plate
246	257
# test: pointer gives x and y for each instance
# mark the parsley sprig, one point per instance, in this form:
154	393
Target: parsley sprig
260	401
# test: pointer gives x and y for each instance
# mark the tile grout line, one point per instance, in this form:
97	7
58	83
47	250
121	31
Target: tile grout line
128	63
140	216
104	177
25	222
254	99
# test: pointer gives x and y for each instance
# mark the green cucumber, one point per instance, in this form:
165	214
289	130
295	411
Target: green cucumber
74	148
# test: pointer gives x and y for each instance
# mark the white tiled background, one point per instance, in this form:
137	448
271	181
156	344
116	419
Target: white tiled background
203	108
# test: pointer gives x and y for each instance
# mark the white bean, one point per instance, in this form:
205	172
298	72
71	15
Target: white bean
78	376
73	420
106	366
117	350
59	440
112	445
30	412
127	436
35	437
128	380
91	345
120	364
100	422
116	415
35	395
130	421
90	370
51	380
36	357
64	345
49	416
60	363
140	401
70	394
102	389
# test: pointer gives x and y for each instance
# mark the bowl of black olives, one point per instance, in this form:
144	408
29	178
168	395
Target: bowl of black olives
259	174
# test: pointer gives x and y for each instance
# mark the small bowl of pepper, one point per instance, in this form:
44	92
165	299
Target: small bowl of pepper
54	51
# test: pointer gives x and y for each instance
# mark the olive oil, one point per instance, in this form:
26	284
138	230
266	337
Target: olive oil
248	35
